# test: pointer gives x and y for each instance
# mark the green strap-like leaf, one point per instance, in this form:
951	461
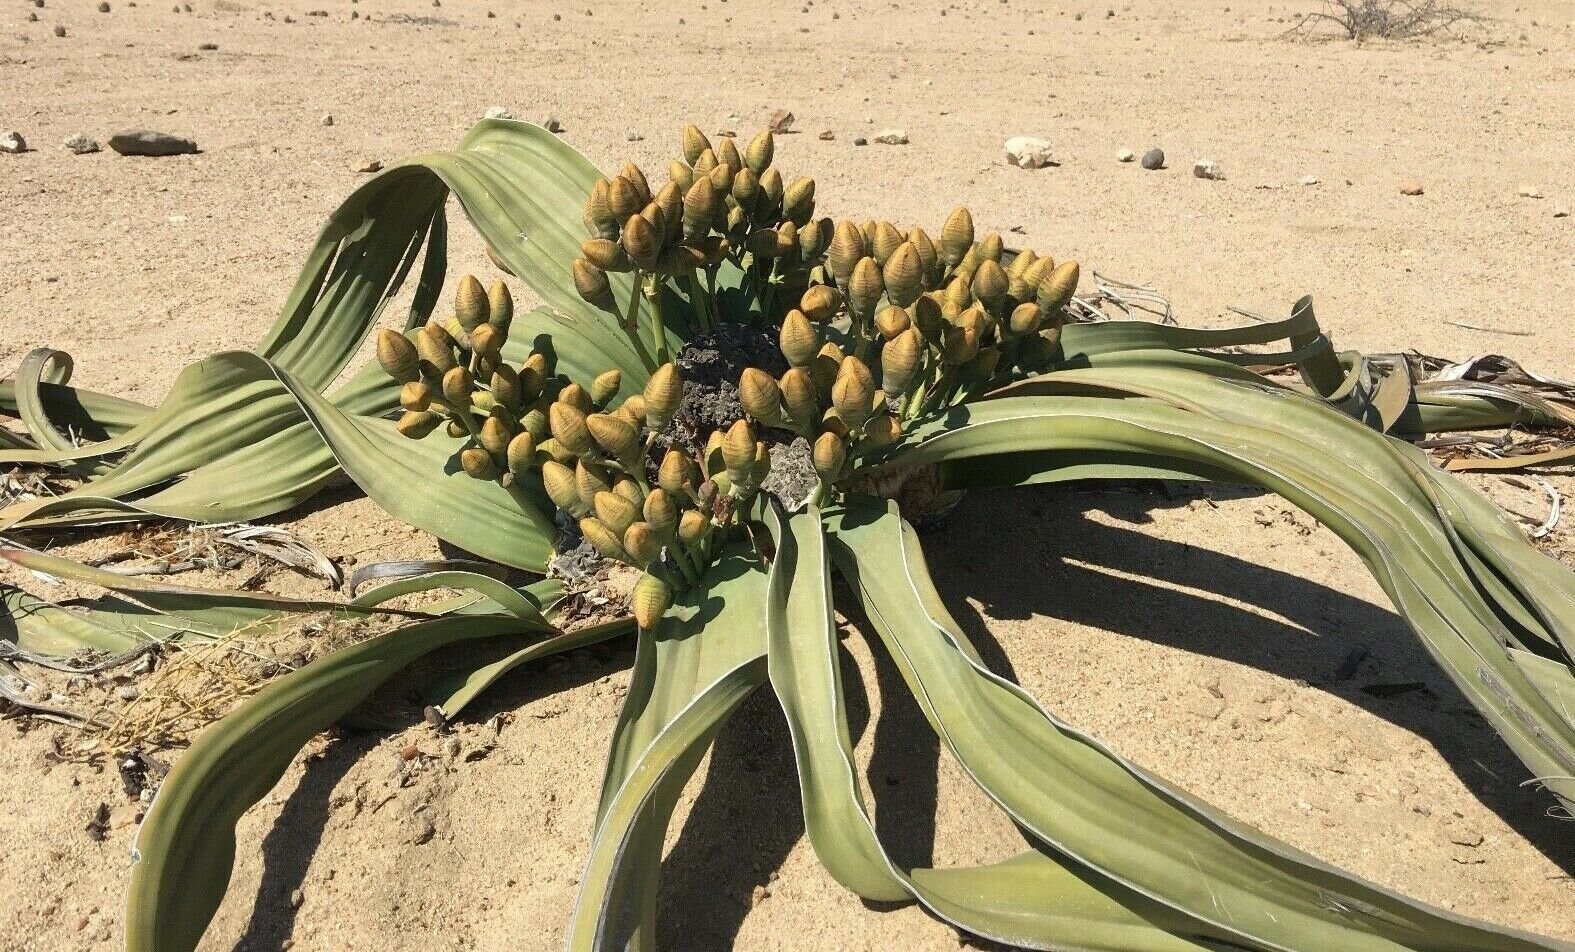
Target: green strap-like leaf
690	673
1032	900
186	847
1104	813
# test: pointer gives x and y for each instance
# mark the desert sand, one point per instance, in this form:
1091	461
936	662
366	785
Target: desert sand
1200	632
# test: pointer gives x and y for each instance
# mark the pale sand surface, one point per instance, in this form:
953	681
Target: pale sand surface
1104	603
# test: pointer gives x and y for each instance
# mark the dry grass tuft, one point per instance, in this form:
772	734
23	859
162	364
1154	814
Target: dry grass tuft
1388	19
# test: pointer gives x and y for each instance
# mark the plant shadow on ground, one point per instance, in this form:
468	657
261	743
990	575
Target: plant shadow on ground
746	816
987	552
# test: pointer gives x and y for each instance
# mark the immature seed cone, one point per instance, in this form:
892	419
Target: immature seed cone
929	255
477	463
771	190
635	177
1021	261
487	341
852	392
596	214
603	539
500	306
882	430
605	386
577	397
828	455
676	473
1058	287
798	201
904	275
692	526
722	179
470	303
617	438
628	488
991	247
398	355
641	544
456	429
700	204
704	165
663	394
591	283
981	367
416	424
929	320
892	321
820	303
746	185
436	350
589	481
605	254
814	238
633	409
415	396
759	396
823	369
956	236
695	143
642	242
569	429
886	242
649	601
961	344
787	242
457	386
958	295
623	198
521	454
661	513
505	387
616	511
535	423
761	148
990	283
899	362
738	450
727	154
1025	319
798	339
798	396
847	247
865	286
495	436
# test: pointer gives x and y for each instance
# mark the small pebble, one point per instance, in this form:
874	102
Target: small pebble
207	47
1309	180
1125	155
82	145
497	112
1154	159
297	897
1529	191
860	140
828	136
1561	212
127	692
328	119
1208	169
367	165
60	31
552	124
758	895
32	17
12	143
103	7
892	137
781	121
1410	187
634	136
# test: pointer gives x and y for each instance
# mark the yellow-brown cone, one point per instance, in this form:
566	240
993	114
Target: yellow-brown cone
641	543
415	396
852	391
649	601
761	148
592	285
847	247
899	361
798	396
676	473
398	355
478	463
664	392
759	396
904	275
470	303
616	511
692	525
798	339
865	287
605	386
457	386
956	236
738	450
569	429
603	539
695	143
828	455
521	454
416	424
1058	287
820	303
617	438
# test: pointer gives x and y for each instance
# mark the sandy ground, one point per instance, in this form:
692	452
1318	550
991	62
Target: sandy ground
1200	635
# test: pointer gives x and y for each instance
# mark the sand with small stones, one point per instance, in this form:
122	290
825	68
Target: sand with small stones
1200	633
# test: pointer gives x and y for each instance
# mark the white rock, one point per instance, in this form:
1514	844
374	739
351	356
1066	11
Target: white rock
498	112
1529	191
1028	152
1207	169
12	143
892	137
633	136
1125	155
1309	180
